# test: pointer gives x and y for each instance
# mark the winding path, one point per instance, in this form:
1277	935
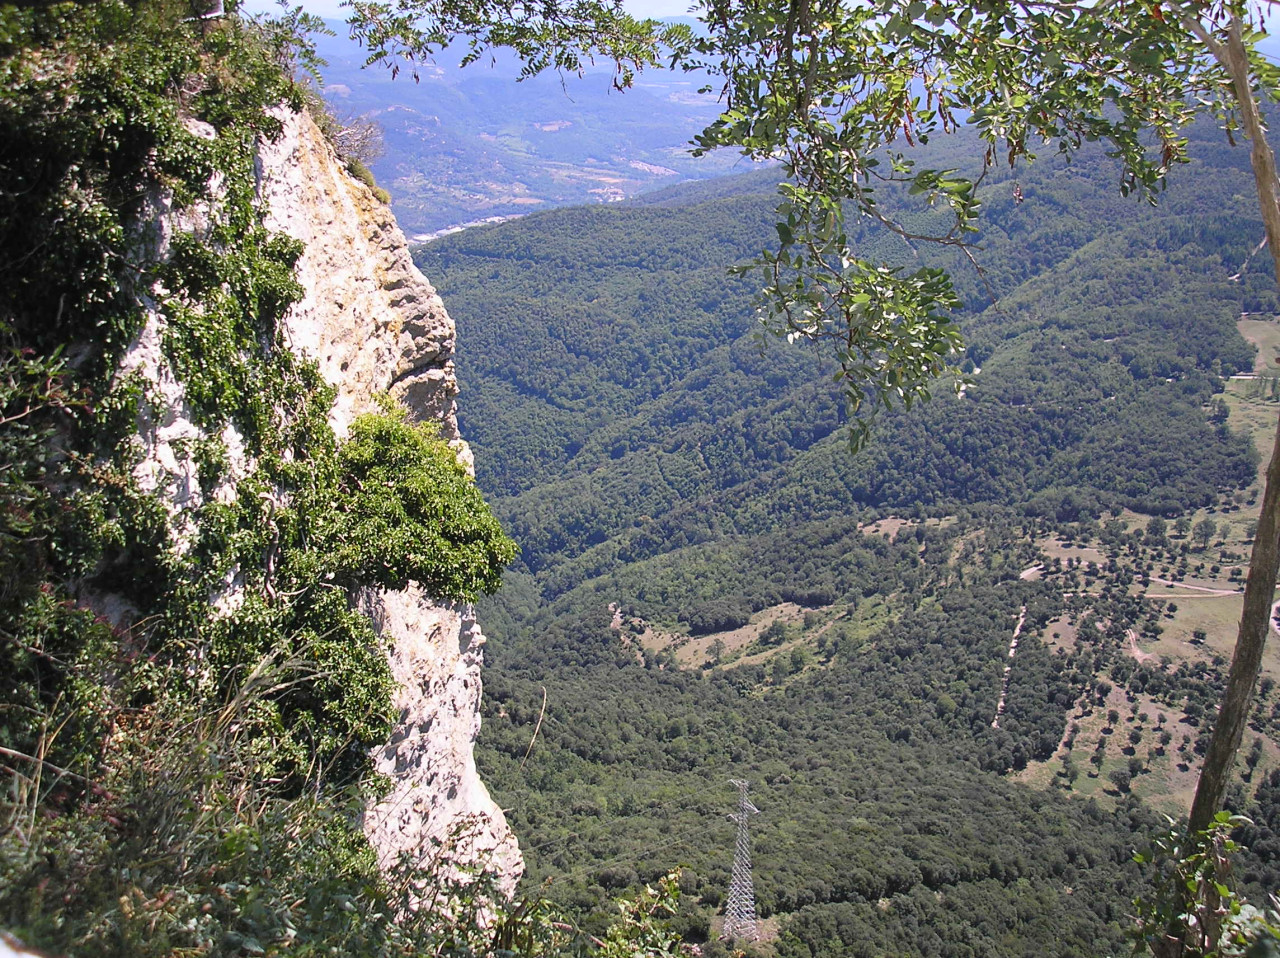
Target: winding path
1141	656
1195	588
1136	652
1008	666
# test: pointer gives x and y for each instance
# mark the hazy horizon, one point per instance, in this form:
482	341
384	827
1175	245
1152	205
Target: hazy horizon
333	9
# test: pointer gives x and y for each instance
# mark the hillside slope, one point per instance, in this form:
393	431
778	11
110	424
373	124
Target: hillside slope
711	587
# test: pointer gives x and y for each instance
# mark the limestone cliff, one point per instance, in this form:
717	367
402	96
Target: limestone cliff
374	324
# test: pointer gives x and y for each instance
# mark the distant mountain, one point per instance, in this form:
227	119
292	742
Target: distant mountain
463	145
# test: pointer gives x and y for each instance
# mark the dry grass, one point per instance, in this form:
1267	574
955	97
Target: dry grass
1216	615
1265	334
1168	780
1061	633
766	928
887	527
1219	615
1055	548
1256	417
695	652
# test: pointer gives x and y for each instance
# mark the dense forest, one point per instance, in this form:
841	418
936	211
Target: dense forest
711	586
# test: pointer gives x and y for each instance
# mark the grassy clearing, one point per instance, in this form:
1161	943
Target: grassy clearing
1055	548
695	651
1256	417
766	928
655	640
1200	586
1166	771
1265	334
1061	633
890	526
819	631
1161	766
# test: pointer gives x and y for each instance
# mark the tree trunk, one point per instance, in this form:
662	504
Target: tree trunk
1259	593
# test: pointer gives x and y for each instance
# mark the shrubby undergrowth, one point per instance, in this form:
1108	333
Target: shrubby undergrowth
179	847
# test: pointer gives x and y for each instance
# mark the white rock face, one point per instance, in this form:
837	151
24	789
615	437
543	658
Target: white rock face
374	324
437	794
369	318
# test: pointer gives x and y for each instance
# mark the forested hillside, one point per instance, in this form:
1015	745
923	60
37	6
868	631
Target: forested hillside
711	586
612	366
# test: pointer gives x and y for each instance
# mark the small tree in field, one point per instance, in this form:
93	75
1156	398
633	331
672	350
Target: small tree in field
1121	779
1204	532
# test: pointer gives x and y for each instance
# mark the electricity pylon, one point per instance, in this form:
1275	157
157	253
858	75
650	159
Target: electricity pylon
740	912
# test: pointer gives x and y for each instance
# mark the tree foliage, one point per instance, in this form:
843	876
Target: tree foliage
559	36
842	93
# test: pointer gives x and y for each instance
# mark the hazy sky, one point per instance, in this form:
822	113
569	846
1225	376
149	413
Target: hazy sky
333	9
641	8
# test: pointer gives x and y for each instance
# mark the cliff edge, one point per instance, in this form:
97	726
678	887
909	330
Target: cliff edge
375	325
238	535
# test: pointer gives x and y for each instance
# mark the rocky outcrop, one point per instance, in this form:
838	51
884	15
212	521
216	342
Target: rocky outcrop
436	795
374	324
369	318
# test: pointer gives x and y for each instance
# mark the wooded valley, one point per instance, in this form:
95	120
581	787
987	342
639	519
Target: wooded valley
969	669
711	586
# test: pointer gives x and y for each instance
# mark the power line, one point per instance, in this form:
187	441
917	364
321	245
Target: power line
740	912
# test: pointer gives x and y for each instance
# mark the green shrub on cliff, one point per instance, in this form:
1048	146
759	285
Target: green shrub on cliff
407	510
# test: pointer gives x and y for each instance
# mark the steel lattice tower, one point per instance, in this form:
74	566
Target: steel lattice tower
740	911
